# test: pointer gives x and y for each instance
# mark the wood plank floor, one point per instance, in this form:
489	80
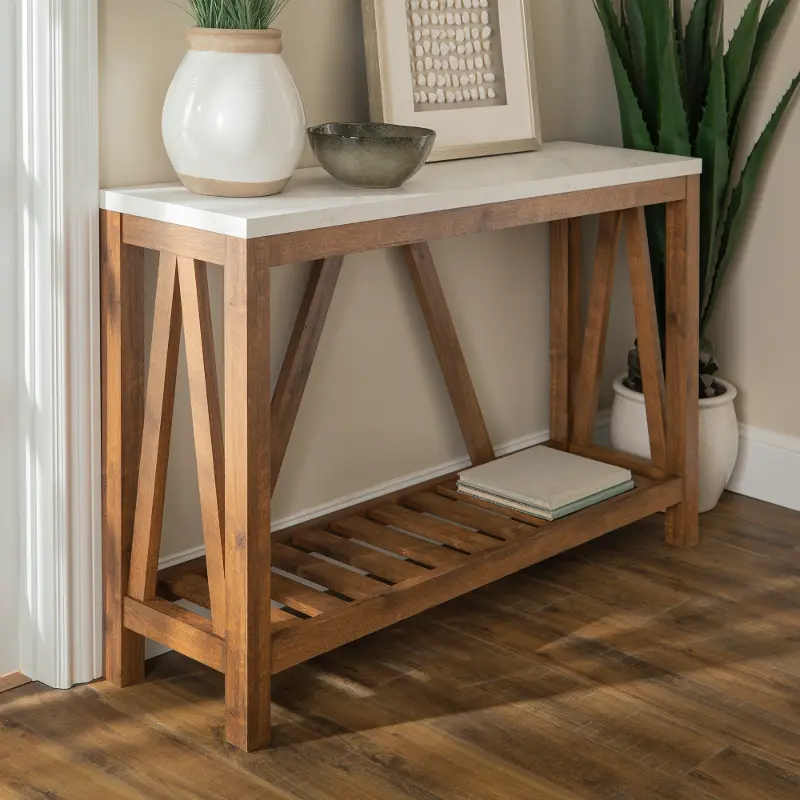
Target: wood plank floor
625	669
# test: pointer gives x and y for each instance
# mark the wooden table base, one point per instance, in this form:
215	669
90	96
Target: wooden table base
263	622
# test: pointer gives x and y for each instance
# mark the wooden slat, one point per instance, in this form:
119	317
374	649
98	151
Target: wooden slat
466	514
191	586
432	555
637	466
649	341
303	598
278	616
188	581
167	238
299	643
683	243
247	496
176	628
559	332
338	579
360	237
594	343
159	405
441	531
448	350
575	308
355	555
195	565
449	488
359	509
122	382
207	422
300	356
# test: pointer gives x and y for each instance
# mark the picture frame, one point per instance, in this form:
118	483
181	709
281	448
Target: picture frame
472	78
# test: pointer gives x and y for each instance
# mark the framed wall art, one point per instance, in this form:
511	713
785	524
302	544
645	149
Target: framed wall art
464	68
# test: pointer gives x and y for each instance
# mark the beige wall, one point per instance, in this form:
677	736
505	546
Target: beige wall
376	408
757	325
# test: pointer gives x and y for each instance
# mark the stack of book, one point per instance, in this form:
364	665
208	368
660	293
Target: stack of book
545	482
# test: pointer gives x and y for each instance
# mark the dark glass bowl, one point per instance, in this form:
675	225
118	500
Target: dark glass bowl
371	155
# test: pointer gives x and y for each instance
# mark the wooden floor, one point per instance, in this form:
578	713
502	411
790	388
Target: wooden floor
625	669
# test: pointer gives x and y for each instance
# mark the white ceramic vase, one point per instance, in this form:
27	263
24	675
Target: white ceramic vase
719	436
233	123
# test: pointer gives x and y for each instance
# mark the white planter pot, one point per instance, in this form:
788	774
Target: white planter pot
719	436
233	123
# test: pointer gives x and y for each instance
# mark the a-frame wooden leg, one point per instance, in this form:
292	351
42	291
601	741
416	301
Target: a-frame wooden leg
247	496
420	263
122	292
644	307
300	356
594	343
575	321
565	326
682	344
159	405
559	333
207	423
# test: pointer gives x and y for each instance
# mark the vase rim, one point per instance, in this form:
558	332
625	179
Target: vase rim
233	40
705	402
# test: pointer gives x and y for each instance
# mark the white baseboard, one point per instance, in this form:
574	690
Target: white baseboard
768	467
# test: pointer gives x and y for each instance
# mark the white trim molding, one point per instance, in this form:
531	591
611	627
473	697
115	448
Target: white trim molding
9	350
59	315
768	467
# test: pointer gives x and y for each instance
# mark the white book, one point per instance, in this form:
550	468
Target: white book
546	479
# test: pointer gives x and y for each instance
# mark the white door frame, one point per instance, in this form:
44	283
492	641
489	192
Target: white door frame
60	574
9	352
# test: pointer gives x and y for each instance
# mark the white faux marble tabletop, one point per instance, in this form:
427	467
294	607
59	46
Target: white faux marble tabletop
315	200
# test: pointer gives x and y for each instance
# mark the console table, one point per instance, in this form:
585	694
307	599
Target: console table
262	622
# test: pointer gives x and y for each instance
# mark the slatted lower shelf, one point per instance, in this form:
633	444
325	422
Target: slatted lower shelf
350	574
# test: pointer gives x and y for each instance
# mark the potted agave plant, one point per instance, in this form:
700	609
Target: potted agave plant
681	92
233	123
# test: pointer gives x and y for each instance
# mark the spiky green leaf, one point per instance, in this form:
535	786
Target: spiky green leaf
677	7
698	44
770	22
677	19
657	21
635	134
712	147
235	14
673	135
739	57
742	198
612	26
659	29
637	31
623	19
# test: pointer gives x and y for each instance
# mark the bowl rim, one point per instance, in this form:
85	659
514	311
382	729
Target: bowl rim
409	131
